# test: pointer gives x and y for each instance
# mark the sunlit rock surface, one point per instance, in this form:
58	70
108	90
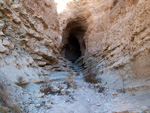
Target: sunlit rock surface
48	49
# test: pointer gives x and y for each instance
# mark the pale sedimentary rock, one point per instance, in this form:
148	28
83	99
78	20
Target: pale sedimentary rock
1	27
27	28
116	37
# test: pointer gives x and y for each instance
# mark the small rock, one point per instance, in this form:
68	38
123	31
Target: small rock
48	105
34	81
38	105
11	46
68	91
0	40
41	63
6	43
39	95
16	20
29	60
55	89
63	86
16	7
14	53
1	27
3	49
98	104
63	92
114	94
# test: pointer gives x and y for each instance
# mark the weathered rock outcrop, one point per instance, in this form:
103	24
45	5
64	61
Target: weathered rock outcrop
28	37
107	39
116	37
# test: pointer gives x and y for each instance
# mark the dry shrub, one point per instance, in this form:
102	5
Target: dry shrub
21	81
91	76
15	108
101	89
3	109
3	94
70	81
6	105
47	90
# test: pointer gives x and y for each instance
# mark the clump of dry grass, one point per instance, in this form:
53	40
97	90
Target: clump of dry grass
21	82
70	81
3	109
48	89
3	94
91	75
6	105
122	74
15	109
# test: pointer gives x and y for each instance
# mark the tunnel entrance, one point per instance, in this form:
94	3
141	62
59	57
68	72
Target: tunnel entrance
73	42
73	50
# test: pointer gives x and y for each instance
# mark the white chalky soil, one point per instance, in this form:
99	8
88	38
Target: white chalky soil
84	99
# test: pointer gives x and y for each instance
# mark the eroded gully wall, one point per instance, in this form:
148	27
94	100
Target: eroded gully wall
28	38
116	39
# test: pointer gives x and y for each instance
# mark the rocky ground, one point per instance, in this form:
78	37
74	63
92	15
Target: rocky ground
114	39
67	92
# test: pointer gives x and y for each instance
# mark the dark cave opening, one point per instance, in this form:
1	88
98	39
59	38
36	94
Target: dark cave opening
72	49
73	46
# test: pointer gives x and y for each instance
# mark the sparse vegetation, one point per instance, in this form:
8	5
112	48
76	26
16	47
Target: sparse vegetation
6	105
47	89
123	74
21	80
101	89
3	94
70	81
90	77
3	109
15	108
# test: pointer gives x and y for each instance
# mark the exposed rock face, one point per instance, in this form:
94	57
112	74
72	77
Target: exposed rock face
28	36
116	36
107	39
34	28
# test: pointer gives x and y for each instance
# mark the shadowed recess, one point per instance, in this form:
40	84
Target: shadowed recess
73	43
72	51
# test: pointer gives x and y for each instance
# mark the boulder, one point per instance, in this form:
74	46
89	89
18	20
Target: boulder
3	49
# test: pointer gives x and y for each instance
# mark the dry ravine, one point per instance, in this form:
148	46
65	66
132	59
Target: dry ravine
74	56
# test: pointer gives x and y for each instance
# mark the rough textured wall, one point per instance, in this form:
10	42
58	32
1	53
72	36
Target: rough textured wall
28	37
117	37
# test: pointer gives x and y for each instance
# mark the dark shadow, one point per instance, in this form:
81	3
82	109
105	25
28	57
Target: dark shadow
72	49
